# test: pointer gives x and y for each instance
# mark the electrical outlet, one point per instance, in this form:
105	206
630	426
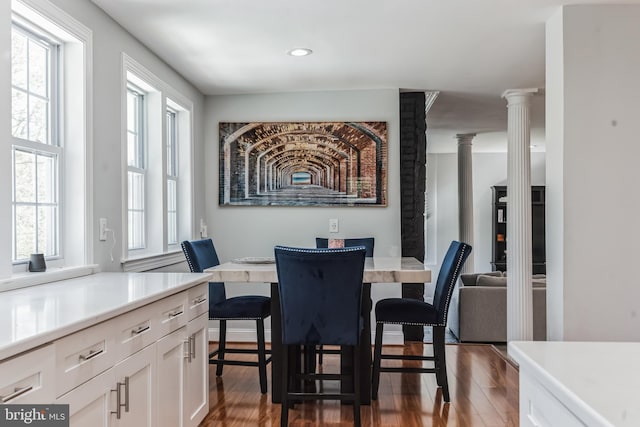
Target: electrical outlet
333	225
103	229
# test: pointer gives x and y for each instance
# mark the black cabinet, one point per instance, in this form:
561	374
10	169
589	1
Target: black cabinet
499	235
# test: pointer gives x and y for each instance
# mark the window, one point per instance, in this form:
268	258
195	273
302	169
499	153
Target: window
172	176
36	149
135	167
157	176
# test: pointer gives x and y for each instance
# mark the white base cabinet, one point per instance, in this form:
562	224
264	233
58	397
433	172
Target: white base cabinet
145	368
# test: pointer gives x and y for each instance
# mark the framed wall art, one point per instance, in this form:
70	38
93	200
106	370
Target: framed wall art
303	164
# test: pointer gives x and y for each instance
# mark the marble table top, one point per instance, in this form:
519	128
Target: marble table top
36	315
376	270
598	381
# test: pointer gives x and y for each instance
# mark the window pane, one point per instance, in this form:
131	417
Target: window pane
38	68
19	59
131	149
24	167
46	178
172	218
25	226
19	114
136	210
38	120
131	111
47	230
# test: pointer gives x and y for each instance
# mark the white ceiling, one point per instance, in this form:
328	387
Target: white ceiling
471	51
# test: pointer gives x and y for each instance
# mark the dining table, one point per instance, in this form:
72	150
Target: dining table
378	270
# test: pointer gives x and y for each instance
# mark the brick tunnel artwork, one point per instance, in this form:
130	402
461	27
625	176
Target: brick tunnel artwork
303	164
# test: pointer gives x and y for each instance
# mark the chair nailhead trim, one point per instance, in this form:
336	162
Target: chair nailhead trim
320	251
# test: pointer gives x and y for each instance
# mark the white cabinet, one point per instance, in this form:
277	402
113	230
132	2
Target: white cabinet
146	367
172	353
136	378
196	384
91	403
183	386
28	378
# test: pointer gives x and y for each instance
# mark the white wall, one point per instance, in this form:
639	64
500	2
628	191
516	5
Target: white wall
5	126
109	41
253	231
489	169
593	88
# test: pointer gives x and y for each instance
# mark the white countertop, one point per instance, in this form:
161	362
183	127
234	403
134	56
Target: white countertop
376	270
598	381
36	315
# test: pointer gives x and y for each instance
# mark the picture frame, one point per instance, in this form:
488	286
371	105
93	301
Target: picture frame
303	164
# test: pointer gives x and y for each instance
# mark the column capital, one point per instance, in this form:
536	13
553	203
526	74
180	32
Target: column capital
465	138
519	96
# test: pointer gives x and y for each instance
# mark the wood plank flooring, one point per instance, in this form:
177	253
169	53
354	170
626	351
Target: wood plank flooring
483	387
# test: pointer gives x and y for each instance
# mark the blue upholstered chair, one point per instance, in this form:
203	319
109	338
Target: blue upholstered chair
368	243
320	296
201	254
413	312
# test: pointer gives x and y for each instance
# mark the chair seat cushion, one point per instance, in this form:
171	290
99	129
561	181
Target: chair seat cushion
243	307
405	311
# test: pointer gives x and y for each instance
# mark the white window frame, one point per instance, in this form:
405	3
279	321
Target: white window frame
136	168
159	252
51	147
172	178
76	139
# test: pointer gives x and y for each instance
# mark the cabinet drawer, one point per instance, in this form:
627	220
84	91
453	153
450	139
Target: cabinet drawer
84	354
137	329
539	408
172	313
198	300
28	378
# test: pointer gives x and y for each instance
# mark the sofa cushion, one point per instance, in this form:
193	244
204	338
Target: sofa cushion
486	280
470	279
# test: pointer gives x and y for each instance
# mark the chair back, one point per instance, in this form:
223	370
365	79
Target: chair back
367	242
201	254
320	294
447	277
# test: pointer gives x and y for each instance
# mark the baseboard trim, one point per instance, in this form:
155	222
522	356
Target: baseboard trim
249	335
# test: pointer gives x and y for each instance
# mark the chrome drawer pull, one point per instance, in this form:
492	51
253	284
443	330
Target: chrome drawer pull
139	330
126	394
118	411
187	353
16	393
175	314
192	348
91	355
199	300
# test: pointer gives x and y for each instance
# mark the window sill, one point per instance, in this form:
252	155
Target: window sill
23	280
151	262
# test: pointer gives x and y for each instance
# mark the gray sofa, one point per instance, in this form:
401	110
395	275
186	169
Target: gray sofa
478	309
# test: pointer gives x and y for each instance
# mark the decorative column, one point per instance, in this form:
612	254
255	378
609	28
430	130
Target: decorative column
519	257
465	195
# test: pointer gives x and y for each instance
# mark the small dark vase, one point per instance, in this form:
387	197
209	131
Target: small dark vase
36	263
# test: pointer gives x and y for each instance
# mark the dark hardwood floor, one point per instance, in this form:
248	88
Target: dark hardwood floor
483	387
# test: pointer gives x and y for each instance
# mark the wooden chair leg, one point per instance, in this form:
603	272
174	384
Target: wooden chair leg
440	360
222	343
320	352
262	359
377	356
356	386
284	410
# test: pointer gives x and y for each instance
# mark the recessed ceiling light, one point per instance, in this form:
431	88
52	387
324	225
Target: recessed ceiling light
300	51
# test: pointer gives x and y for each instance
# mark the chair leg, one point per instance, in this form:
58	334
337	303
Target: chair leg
320	355
221	346
377	356
440	360
262	359
284	410
356	386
